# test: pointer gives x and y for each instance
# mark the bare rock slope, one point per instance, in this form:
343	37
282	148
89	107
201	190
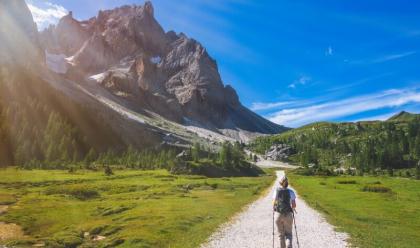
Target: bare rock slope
127	52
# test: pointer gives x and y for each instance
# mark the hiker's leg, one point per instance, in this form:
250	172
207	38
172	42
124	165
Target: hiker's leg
288	229
281	229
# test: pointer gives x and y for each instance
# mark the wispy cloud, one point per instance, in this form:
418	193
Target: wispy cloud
329	51
342	108
359	82
301	81
383	59
393	57
258	106
46	14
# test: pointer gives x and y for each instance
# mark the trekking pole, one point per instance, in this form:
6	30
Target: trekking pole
294	222
273	228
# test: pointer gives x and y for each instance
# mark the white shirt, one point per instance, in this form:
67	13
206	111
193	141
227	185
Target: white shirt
292	194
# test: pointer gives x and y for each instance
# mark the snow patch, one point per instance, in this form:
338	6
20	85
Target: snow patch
155	59
98	77
70	60
56	62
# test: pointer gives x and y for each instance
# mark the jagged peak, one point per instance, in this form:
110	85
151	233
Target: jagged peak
148	7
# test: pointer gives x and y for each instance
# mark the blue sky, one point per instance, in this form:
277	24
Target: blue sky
296	62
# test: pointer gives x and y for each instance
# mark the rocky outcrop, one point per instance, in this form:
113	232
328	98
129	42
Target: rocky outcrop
94	55
167	73
67	37
19	41
279	152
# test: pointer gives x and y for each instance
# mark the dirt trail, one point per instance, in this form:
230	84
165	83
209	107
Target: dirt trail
253	228
9	230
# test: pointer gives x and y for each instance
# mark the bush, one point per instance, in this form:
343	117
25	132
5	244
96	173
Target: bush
347	182
108	171
376	188
72	170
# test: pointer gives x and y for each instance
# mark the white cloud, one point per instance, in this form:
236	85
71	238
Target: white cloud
393	57
46	14
329	51
257	106
336	109
386	58
301	81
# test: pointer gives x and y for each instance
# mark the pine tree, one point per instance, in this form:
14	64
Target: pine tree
195	152
418	171
91	156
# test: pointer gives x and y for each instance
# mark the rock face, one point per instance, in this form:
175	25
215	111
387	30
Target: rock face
18	35
279	152
67	38
167	73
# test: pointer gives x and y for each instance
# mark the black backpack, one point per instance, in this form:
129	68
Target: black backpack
283	201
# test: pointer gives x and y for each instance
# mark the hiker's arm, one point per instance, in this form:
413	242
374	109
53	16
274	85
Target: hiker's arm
293	204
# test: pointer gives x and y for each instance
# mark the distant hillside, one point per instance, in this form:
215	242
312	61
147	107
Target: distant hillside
404	116
366	146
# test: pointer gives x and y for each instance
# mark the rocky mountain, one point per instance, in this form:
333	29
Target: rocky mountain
113	81
127	52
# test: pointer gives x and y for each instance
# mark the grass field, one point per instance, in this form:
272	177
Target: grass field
375	211
129	209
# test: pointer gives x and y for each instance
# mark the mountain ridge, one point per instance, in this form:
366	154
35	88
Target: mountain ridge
161	93
127	52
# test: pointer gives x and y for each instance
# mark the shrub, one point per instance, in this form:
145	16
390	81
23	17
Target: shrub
108	171
376	188
418	171
347	182
72	170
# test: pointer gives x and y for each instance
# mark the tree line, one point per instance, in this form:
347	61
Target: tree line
365	146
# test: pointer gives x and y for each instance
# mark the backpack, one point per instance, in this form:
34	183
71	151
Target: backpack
283	201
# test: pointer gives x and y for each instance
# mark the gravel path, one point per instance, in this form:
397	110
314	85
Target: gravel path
253	228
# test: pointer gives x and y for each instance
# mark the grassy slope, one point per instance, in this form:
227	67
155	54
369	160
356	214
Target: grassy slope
141	209
372	219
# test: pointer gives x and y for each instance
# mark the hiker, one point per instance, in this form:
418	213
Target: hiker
284	205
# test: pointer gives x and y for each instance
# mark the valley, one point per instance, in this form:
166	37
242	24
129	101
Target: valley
127	209
118	132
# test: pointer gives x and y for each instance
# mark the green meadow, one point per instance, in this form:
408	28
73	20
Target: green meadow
128	209
375	211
